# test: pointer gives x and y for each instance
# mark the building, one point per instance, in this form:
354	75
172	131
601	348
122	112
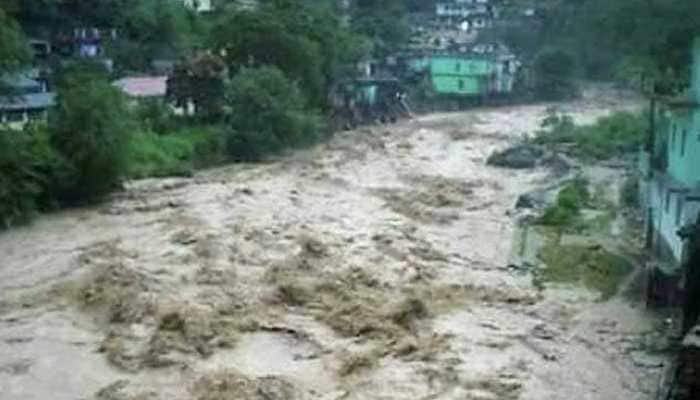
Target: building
199	5
461	76
467	15
143	87
18	110
669	168
485	70
26	100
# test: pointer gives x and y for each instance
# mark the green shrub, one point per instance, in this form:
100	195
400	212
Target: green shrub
554	71
567	209
20	185
89	128
595	267
152	155
155	115
28	168
268	113
610	136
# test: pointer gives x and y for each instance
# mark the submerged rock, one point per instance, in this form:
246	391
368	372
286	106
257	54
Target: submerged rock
521	156
535	199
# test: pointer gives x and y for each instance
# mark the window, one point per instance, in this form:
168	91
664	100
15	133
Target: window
679	210
458	66
668	202
461	84
673	138
35	114
684	137
15	116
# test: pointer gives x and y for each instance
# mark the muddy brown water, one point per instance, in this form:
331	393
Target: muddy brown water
354	224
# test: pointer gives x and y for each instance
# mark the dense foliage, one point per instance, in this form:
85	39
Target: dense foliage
180	152
268	114
554	71
384	21
567	208
89	128
13	48
636	40
609	137
20	184
199	81
259	81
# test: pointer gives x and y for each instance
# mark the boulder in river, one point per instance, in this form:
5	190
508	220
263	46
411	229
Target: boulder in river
534	199
522	156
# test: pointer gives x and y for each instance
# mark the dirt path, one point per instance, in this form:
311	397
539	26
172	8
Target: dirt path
371	267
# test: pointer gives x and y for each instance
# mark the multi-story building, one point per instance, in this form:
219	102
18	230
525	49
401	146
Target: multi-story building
467	14
670	183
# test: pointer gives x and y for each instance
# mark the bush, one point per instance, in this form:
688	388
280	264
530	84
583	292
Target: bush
617	134
554	71
609	137
89	128
268	113
20	185
595	267
155	115
567	209
150	154
28	166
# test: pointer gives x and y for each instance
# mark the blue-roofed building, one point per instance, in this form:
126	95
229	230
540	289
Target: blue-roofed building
23	100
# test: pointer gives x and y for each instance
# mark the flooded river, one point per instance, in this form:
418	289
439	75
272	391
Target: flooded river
373	266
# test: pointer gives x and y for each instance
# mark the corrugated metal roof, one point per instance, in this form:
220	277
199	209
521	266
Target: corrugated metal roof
152	86
32	101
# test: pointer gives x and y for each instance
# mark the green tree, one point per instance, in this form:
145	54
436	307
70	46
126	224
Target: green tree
20	185
251	39
639	40
28	166
384	21
321	24
155	29
268	113
199	80
14	51
89	128
554	72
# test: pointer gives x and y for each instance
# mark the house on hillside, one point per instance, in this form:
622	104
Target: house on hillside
143	87
669	167
199	5
483	71
25	100
461	76
467	15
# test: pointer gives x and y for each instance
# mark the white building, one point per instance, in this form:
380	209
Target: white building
199	5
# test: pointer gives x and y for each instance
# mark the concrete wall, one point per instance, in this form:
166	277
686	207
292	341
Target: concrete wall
683	141
461	76
671	192
670	211
460	85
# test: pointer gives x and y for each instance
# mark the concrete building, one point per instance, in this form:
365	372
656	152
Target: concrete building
199	5
669	167
143	87
487	69
467	15
25	100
